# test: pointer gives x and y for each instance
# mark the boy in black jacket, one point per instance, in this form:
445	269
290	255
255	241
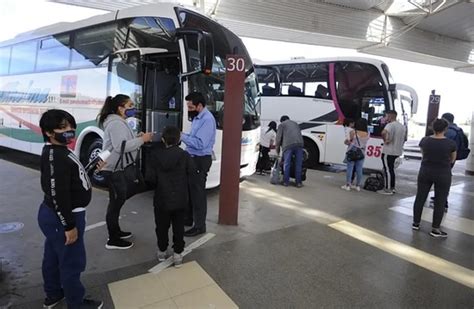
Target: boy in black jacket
170	167
67	192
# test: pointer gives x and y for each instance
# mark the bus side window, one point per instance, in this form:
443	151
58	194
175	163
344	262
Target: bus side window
23	57
268	90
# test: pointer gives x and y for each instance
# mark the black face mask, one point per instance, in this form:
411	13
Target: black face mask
192	115
65	137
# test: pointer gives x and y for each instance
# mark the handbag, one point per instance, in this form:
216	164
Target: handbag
127	181
275	175
355	153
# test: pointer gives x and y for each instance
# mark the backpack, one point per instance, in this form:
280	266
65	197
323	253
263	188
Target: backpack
462	144
374	183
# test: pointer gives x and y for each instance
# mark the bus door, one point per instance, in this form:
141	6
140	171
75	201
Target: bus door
124	77
162	92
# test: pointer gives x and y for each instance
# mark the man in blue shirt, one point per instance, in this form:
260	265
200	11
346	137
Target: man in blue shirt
199	144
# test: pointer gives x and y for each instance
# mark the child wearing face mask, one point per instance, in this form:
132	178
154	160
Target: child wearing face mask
67	192
112	119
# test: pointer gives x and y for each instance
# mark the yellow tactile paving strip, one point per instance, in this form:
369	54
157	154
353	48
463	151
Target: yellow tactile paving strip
187	287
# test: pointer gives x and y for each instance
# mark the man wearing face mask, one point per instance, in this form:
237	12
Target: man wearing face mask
199	144
67	192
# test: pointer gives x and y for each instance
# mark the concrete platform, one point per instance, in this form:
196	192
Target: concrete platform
313	247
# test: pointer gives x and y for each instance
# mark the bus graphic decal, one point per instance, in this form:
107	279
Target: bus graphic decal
68	86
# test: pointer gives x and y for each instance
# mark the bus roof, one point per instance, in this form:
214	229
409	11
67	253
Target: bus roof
161	9
327	59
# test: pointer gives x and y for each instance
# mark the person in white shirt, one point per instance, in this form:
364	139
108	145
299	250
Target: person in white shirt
394	136
267	142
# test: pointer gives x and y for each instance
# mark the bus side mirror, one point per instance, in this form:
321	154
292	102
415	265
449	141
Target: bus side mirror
205	46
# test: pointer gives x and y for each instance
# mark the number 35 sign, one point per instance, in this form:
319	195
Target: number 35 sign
374	151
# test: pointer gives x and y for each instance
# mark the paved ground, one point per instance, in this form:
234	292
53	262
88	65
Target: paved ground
317	246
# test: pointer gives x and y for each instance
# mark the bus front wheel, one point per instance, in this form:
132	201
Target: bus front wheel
312	152
91	150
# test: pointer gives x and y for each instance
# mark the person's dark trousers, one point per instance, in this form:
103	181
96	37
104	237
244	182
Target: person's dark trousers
197	191
389	170
263	159
447	204
287	155
62	265
116	201
163	220
442	183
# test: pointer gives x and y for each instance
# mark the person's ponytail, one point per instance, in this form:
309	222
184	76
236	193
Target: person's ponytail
110	107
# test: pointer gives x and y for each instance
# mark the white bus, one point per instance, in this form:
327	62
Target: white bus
156	54
320	93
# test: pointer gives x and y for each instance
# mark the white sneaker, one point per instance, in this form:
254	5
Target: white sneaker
177	260
161	255
346	187
357	188
353	186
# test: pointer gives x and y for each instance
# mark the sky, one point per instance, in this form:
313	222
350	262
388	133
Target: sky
456	88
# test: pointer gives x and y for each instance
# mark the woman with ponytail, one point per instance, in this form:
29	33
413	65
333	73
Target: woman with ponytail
112	120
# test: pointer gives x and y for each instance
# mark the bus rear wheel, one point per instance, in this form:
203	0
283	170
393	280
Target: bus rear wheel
312	154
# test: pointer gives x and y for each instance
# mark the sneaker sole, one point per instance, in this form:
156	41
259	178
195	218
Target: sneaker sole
438	235
415	228
127	237
110	247
53	305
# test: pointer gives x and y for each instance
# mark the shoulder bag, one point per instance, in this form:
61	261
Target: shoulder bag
127	181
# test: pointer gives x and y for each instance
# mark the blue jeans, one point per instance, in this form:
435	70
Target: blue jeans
358	165
287	155
62	265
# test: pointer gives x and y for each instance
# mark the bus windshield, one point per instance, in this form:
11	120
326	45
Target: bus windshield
213	85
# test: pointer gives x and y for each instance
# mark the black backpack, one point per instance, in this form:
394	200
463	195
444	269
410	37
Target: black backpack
462	145
374	182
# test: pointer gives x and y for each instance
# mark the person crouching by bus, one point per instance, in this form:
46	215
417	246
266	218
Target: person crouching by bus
438	154
358	138
170	170
62	214
267	142
289	138
112	120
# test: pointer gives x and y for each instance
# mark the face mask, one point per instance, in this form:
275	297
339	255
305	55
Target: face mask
130	112
192	115
65	137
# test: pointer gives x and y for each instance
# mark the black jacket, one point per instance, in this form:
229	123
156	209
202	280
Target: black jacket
169	170
64	182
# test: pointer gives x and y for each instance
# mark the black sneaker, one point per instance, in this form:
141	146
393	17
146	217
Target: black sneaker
438	234
119	244
125	235
415	226
194	232
91	303
52	302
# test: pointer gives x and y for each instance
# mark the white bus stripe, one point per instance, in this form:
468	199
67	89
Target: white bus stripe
425	260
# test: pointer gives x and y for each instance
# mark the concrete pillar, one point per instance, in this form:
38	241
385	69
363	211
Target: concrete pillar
470	159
